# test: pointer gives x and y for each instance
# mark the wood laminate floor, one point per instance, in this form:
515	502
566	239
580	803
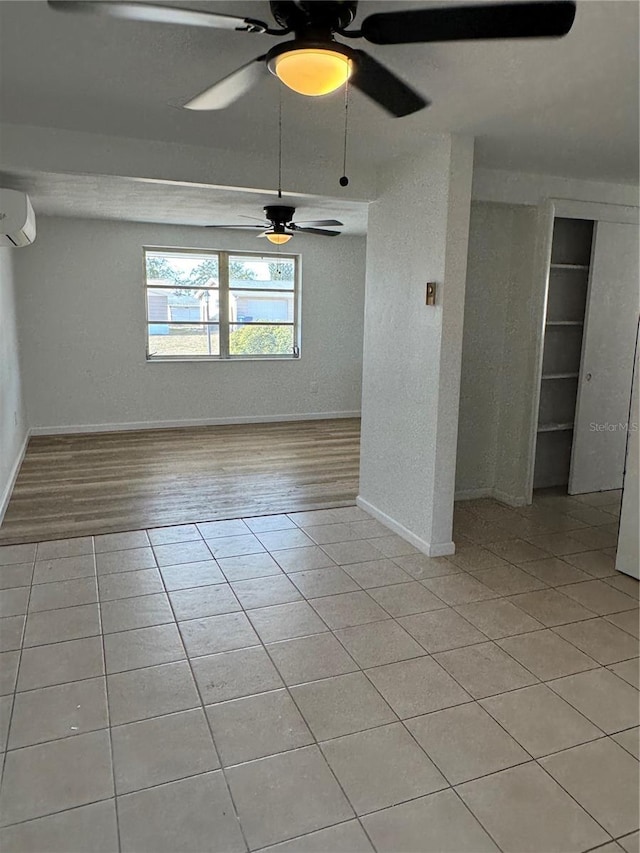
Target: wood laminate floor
96	483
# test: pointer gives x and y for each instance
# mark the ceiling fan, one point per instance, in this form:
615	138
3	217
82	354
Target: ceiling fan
314	63
280	227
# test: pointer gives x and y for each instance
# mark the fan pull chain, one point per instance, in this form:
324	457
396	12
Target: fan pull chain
344	180
278	246
279	141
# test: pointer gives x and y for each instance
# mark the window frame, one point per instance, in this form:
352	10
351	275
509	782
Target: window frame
224	291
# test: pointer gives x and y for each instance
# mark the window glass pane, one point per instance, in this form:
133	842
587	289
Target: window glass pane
182	269
250	306
260	340
186	305
187	340
183	304
274	273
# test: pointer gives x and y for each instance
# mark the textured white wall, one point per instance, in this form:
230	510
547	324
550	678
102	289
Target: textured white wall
498	353
417	233
13	427
82	318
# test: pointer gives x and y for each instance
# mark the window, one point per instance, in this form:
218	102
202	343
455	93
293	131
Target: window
221	305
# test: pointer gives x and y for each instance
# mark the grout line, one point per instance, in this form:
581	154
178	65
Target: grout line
596	665
587	654
170	781
367	590
109	726
401	720
312	832
13	694
475	816
317	742
63	811
177	622
626	835
568	701
569	794
448	786
208	723
635	637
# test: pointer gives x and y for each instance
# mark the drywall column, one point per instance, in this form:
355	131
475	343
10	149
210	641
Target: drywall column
13	427
524	316
418	232
628	555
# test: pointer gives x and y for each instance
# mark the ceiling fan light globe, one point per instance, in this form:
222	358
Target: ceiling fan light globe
313	71
278	239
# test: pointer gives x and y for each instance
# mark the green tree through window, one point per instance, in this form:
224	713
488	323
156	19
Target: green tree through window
261	340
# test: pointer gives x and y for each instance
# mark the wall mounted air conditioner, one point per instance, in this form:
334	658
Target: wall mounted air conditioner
17	219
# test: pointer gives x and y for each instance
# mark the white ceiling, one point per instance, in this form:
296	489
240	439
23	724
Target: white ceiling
106	197
567	106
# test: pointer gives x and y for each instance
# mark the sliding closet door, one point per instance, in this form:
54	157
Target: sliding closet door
597	460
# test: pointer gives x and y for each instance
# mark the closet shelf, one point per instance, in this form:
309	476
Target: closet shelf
560	375
570	266
564	323
554	427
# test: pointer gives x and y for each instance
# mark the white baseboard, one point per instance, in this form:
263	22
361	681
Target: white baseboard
442	549
13	476
497	494
71	429
473	494
510	500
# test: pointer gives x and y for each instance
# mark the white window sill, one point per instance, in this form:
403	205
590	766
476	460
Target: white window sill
234	360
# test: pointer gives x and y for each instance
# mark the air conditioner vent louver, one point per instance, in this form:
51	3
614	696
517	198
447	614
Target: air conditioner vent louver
17	219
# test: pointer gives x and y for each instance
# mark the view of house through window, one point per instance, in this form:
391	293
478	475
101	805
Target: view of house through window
204	304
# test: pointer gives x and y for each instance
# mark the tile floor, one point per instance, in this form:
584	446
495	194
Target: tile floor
312	683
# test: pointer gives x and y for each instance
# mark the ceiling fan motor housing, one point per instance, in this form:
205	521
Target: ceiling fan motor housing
304	14
279	214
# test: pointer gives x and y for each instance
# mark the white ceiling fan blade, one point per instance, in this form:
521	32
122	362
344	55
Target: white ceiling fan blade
159	14
230	88
318	222
254	218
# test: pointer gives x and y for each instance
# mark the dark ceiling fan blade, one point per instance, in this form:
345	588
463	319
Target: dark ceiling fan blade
315	231
160	14
382	86
319	222
230	88
457	23
241	227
